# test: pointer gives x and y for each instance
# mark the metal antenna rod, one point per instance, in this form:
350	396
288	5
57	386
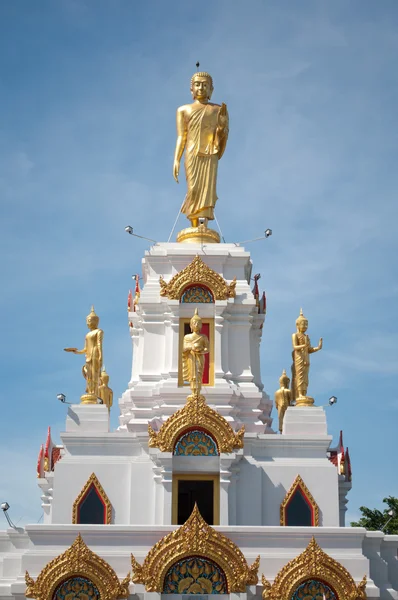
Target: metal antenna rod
175	222
219	228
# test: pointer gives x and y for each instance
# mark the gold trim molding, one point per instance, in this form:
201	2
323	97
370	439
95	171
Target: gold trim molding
196	413
299	483
92	480
77	561
313	563
195	538
197	272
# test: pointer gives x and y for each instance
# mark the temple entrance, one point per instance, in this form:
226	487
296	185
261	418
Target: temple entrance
200	489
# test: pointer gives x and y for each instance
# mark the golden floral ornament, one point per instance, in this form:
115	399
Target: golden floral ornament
195	538
196	413
93	481
78	560
298	484
313	563
197	272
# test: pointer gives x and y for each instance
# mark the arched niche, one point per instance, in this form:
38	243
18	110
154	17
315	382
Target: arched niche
78	588
92	506
299	508
197	293
195	575
314	589
196	442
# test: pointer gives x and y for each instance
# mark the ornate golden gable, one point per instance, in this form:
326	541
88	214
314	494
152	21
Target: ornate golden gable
92	480
195	538
313	563
77	561
197	272
299	483
196	413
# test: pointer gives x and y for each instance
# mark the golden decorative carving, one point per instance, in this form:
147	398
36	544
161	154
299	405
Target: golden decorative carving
78	560
299	483
92	480
195	538
313	563
197	272
196	413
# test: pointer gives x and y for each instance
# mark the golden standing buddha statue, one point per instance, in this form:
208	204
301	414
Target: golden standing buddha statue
301	362
93	350
195	346
282	398
202	131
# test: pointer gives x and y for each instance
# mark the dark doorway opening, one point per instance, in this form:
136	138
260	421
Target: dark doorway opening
199	491
298	511
91	510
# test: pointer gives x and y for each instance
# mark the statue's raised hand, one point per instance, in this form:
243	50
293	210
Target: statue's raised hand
320	344
222	116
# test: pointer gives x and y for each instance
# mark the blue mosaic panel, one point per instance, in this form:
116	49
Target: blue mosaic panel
196	443
76	588
196	293
195	576
313	590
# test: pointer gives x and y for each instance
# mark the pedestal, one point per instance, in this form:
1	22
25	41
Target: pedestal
87	418
305	420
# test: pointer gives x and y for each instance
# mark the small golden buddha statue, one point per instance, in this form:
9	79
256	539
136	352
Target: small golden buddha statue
282	398
195	346
202	131
301	362
104	391
93	350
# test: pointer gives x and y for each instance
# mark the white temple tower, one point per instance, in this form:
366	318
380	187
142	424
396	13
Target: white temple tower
195	493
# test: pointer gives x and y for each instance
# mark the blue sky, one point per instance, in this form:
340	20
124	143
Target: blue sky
88	95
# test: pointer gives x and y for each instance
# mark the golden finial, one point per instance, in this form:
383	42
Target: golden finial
92	313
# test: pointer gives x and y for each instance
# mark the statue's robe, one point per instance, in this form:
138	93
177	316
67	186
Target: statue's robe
201	161
300	366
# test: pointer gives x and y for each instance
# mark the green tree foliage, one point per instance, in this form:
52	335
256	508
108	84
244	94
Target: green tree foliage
375	520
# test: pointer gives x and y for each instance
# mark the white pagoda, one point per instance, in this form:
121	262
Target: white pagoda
195	493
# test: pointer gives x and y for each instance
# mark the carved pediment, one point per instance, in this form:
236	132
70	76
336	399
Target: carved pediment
197	272
78	560
195	538
196	413
313	564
